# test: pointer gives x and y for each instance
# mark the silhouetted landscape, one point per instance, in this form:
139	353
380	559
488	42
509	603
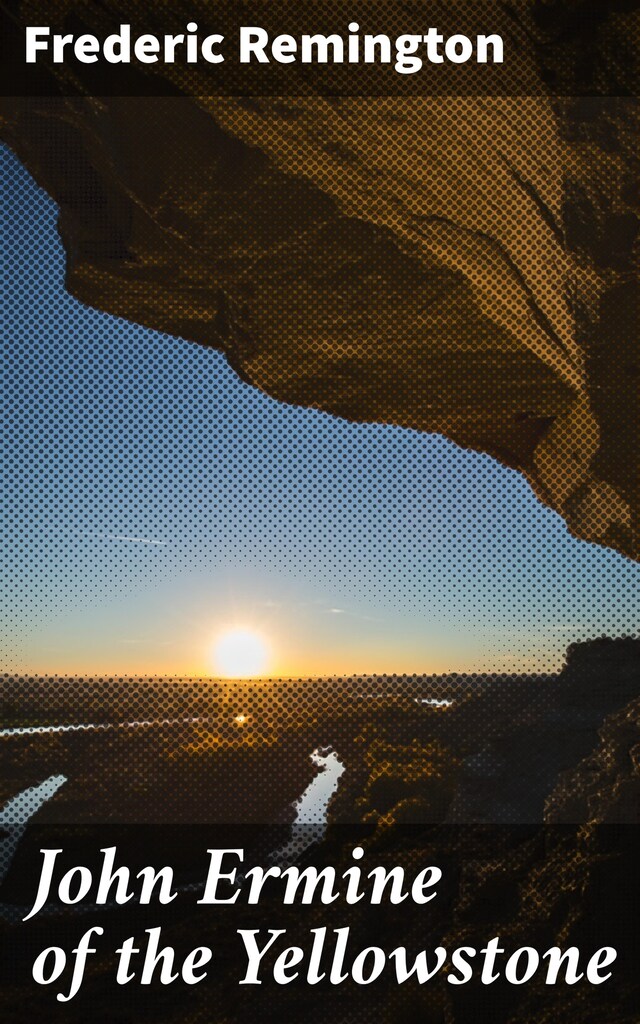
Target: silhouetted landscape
466	772
415	749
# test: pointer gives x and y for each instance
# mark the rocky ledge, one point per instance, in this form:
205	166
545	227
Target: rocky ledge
558	749
467	266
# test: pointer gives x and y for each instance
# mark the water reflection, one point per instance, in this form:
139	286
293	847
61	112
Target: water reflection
18	811
312	807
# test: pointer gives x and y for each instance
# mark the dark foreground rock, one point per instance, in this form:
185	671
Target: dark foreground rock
421	788
508	749
605	786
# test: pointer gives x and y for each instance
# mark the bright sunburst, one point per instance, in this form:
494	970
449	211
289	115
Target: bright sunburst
239	653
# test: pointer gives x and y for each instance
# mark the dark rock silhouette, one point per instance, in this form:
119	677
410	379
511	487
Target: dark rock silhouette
605	786
567	876
466	266
560	748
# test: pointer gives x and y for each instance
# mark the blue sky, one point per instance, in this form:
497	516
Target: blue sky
154	500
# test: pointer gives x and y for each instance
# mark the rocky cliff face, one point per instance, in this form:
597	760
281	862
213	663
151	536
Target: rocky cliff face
467	266
569	877
560	749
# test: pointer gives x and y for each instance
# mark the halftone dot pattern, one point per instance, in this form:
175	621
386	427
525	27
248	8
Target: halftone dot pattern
140	461
152	492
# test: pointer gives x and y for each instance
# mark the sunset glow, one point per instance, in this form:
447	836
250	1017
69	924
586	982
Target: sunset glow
240	653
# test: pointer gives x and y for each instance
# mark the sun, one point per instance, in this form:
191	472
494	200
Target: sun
240	653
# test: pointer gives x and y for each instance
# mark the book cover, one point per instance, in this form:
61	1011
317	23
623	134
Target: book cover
320	409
